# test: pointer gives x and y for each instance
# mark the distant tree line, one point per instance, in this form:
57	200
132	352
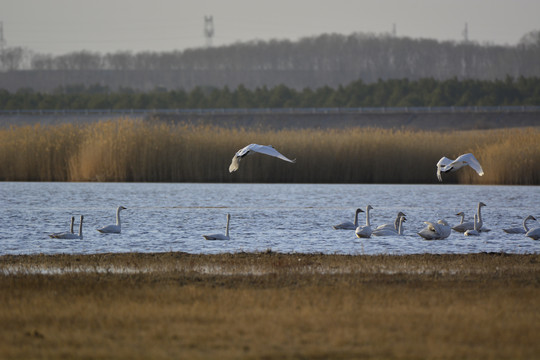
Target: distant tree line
312	62
423	92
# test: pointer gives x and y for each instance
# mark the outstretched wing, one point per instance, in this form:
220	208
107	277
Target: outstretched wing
269	150
470	160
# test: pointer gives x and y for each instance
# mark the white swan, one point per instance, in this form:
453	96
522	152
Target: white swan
474	231
435	231
365	231
59	235
520	230
347	225
448	165
462	214
78	236
113	229
534	233
393	226
220	236
469	225
255	148
389	231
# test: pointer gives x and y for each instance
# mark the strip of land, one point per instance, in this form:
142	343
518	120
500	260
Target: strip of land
269	305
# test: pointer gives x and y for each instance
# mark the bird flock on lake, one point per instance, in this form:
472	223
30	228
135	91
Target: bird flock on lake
434	230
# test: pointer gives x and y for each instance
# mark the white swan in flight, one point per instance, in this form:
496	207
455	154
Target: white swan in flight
255	148
220	236
390	231
347	225
394	226
116	228
59	235
365	231
469	225
435	231
520	230
448	165
474	231
78	236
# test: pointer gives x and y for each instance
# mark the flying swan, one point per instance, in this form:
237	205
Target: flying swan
365	231
448	165
435	231
220	236
347	225
78	236
60	235
252	149
520	230
113	229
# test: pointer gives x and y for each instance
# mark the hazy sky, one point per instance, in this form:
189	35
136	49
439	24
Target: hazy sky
61	26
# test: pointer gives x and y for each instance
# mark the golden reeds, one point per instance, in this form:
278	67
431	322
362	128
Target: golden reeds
136	150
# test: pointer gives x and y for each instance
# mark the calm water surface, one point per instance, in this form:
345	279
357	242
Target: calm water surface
281	217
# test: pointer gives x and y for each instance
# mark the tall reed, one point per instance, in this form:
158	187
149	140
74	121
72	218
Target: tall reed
137	150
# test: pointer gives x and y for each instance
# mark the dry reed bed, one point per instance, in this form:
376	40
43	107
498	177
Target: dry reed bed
135	150
488	308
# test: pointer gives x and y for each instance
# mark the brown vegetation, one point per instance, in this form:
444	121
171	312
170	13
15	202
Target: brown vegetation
135	150
269	305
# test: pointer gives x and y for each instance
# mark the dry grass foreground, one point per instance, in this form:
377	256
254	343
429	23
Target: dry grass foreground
136	150
269	306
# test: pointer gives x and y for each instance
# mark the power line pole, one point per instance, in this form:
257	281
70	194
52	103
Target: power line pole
465	33
208	29
2	41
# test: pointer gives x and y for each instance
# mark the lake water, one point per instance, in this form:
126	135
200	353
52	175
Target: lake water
280	217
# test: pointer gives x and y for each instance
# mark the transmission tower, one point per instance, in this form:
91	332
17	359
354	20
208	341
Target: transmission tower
208	29
465	33
2	41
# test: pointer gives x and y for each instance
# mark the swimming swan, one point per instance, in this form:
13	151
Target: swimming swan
389	231
220	236
78	236
435	231
393	226
347	225
462	227
474	231
59	235
255	148
534	233
113	229
365	231
520	230
448	165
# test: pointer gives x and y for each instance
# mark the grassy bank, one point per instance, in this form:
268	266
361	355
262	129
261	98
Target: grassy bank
133	150
272	306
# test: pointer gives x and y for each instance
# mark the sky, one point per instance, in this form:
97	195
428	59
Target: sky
63	26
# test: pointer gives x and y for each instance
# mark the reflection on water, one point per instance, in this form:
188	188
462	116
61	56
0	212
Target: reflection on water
281	217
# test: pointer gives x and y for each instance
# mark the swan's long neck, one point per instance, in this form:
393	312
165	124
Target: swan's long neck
476	221
118	216
462	218
356	219
80	227
227	227
72	223
400	229
479	216
525	224
367	217
397	223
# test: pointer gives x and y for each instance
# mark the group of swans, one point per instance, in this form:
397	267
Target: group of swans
532	232
109	229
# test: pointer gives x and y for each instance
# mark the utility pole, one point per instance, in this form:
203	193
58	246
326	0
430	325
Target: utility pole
465	33
394	31
208	29
2	41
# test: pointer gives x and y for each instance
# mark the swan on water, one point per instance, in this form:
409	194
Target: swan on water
469	225
390	231
462	214
365	231
347	225
394	225
474	231
435	231
220	236
533	233
113	229
59	235
448	165
520	230
71	235
252	149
